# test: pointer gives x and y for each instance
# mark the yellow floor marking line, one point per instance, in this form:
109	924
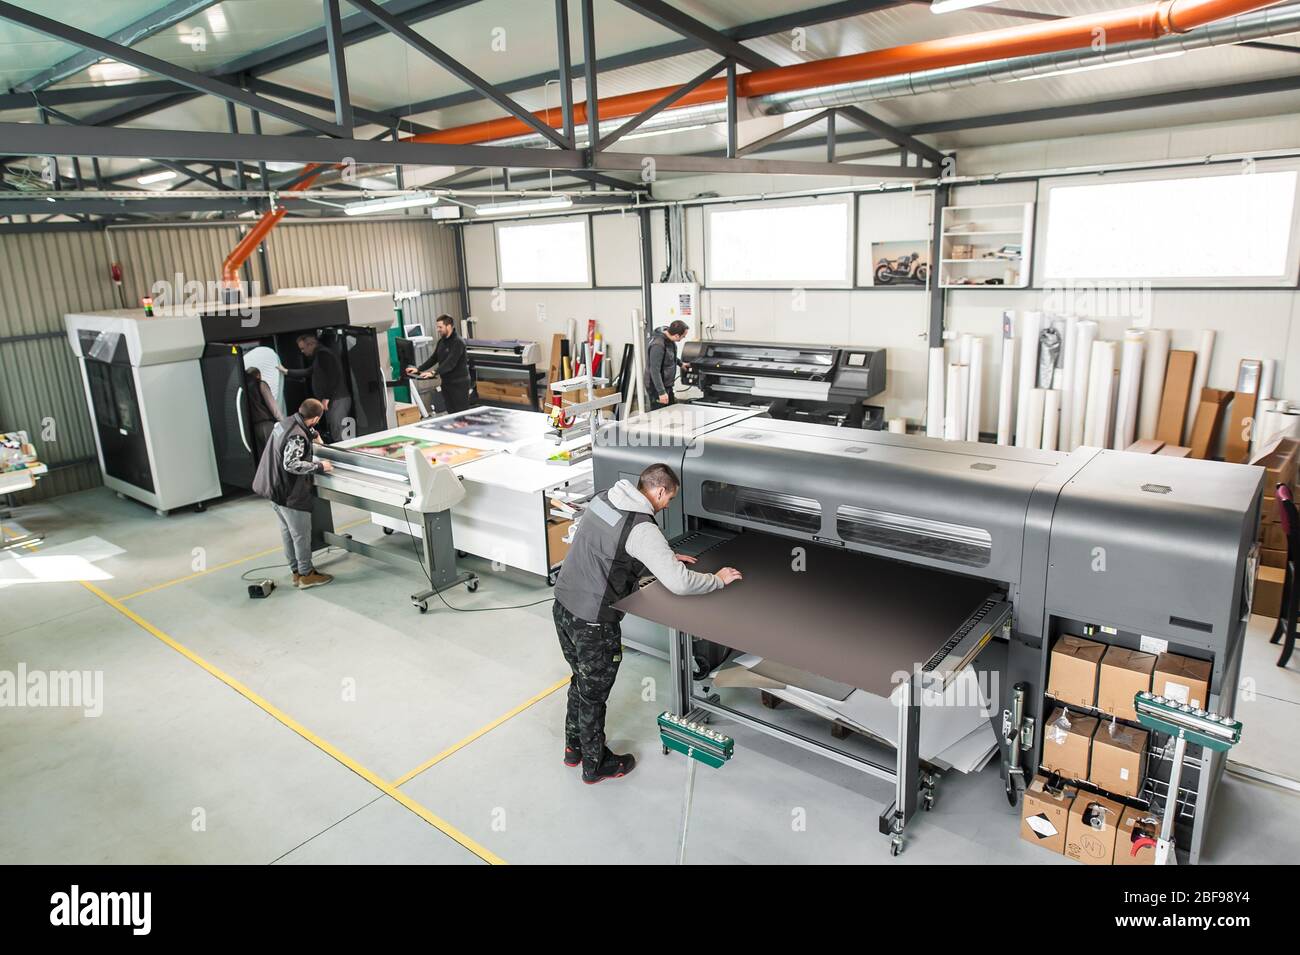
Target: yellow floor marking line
482	731
230	563
275	712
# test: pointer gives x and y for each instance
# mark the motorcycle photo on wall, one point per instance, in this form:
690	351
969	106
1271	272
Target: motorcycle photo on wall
900	263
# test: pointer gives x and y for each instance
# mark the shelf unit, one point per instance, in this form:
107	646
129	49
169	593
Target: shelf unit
988	229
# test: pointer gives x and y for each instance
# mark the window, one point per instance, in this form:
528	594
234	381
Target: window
1173	228
780	244
544	253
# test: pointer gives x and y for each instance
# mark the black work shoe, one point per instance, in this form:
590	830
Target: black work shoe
572	754
612	766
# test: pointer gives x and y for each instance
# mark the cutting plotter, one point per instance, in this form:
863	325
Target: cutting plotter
923	557
821	384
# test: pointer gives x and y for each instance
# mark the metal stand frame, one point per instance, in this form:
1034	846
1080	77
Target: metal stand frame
437	547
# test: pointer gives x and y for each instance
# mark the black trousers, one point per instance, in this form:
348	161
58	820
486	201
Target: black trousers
593	652
455	395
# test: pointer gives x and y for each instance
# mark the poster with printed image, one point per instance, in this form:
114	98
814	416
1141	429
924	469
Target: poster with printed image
492	424
436	452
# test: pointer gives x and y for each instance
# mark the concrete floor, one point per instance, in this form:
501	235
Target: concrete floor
182	767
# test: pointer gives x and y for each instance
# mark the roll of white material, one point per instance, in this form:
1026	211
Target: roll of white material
964	347
975	392
1034	416
1130	382
963	382
1268	379
1096	429
1277	418
954	423
1085	335
898	426
1051	419
1204	355
1068	341
1006	389
934	402
1031	326
1155	359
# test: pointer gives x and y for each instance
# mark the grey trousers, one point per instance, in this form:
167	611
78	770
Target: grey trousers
339	410
295	531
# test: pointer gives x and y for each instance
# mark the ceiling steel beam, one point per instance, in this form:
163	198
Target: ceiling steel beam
766	167
564	55
338	66
384	118
702	33
663	104
457	69
891	133
151	64
148	25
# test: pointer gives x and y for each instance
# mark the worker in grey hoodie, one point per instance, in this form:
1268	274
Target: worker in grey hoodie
617	543
661	362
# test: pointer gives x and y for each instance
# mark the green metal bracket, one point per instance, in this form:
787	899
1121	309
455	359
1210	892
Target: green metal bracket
1219	733
695	740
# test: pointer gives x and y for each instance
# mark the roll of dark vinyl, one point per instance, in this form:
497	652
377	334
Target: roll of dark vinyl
848	617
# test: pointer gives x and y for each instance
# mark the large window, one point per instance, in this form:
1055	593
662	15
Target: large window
544	253
1173	228
803	243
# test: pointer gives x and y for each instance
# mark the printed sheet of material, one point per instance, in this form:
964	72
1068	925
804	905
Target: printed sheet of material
851	618
505	425
437	452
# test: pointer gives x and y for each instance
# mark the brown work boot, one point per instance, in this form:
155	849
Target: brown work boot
314	579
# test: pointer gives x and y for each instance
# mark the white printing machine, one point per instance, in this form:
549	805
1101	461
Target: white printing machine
1137	551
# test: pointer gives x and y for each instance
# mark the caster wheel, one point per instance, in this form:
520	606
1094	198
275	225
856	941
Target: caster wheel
387	531
461	554
200	507
552	577
928	802
471	585
422	606
666	750
895	847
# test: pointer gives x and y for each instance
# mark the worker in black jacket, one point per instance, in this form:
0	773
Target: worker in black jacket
661	363
453	365
327	383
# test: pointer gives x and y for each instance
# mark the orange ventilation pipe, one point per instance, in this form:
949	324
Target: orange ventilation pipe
1132	24
249	243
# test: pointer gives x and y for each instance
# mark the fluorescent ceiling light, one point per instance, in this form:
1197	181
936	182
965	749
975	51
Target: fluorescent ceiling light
948	6
156	177
524	205
1104	66
276	166
445	212
389	203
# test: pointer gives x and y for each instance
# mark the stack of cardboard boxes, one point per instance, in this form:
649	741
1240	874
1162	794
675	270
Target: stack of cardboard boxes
1099	749
1278	458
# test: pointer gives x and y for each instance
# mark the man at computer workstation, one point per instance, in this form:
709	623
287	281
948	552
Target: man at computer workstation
326	382
452	364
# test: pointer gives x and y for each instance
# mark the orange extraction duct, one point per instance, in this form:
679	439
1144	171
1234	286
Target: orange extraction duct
1132	24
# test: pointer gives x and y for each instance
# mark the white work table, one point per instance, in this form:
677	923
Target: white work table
504	516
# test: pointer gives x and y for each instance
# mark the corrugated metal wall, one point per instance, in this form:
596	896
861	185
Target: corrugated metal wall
45	275
396	256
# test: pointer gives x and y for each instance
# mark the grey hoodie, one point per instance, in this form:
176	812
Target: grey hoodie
647	544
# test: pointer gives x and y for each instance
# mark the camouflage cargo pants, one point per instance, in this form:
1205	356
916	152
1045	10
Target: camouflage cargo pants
593	652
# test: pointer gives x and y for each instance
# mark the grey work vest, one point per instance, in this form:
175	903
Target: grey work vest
598	571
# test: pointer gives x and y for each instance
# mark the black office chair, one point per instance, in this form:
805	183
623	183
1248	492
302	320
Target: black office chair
1286	621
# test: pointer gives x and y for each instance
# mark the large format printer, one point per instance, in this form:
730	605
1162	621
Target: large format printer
1142	548
167	392
821	384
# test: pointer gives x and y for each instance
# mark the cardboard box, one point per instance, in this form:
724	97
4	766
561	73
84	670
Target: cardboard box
578	397
406	412
1045	814
1272	536
1124	673
1176	396
1119	758
1135	825
1278	458
1146	446
1268	591
1182	679
1209	421
961	250
556	531
1174	451
1272	558
504	393
1236	443
1072	677
1069	755
1090	831
1269	513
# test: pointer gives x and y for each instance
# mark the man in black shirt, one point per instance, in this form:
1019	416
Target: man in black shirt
328	384
453	366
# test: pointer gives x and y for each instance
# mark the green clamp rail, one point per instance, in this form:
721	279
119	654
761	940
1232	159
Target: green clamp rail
695	740
1219	733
